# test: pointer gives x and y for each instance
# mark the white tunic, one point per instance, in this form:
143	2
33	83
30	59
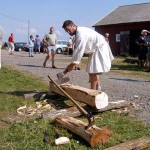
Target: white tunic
90	42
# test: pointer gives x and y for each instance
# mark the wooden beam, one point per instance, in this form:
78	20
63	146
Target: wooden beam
74	112
137	144
71	111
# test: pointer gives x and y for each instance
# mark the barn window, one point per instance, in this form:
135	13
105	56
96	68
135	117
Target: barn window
117	37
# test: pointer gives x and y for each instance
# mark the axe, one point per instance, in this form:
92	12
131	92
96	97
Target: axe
60	75
91	119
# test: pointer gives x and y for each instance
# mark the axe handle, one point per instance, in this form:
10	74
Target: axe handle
85	113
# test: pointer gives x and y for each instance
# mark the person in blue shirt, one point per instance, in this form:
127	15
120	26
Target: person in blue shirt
31	46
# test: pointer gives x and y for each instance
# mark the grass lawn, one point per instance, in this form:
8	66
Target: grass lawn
28	134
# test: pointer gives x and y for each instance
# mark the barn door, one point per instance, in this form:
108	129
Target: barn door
124	43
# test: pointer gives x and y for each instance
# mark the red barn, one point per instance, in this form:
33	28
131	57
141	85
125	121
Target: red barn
124	26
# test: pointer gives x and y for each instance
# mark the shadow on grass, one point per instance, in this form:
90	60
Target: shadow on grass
57	100
128	67
17	93
130	80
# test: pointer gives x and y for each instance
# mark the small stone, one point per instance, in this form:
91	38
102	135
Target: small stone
136	96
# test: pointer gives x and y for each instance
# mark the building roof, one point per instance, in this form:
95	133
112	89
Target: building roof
127	14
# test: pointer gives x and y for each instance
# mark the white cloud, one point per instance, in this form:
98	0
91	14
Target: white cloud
22	31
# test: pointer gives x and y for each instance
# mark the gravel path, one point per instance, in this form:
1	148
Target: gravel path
117	86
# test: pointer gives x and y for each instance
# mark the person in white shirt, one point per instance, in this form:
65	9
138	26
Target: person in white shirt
31	46
94	44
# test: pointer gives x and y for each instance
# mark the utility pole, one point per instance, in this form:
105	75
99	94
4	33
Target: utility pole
1	35
28	30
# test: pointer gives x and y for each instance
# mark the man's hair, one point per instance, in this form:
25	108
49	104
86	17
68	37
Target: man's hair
51	28
68	23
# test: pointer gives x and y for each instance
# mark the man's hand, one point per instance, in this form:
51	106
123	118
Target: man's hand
70	67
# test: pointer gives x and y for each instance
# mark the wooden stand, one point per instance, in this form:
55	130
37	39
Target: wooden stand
94	136
74	112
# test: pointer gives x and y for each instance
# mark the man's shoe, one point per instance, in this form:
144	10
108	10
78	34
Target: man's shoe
32	56
54	67
78	68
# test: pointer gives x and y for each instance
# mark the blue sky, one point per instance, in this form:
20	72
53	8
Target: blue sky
42	14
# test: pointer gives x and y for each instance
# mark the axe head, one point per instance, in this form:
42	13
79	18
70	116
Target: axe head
60	75
62	80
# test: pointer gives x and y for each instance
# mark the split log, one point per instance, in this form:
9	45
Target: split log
137	144
74	112
94	136
94	98
71	111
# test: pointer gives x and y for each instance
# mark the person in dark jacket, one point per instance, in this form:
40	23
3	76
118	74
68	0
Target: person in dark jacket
143	47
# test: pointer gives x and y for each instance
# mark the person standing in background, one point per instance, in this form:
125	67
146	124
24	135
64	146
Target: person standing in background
143	47
11	44
31	46
70	48
37	44
107	37
77	66
44	45
1	35
51	40
148	54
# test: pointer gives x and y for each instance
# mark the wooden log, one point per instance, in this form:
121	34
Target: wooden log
94	136
137	144
71	111
74	112
114	105
94	98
